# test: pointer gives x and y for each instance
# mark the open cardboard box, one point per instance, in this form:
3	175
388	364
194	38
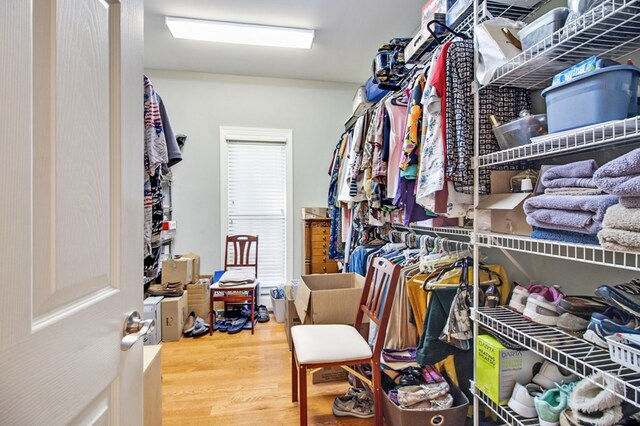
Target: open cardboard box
504	208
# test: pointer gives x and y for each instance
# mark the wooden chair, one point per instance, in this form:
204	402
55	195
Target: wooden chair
330	345
244	255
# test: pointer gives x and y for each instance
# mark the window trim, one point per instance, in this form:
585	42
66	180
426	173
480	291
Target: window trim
256	134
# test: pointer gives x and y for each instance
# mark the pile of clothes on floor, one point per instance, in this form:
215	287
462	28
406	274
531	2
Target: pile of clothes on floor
587	204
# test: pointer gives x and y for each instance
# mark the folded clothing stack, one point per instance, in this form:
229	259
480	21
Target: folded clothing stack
572	207
237	277
621	226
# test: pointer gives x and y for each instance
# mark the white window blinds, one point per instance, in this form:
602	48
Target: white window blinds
257	202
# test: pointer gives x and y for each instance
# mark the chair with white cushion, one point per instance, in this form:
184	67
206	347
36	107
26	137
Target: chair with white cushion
330	345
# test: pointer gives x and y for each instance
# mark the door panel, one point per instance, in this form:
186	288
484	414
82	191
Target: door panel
71	217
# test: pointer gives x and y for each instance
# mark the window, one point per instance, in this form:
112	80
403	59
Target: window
256	196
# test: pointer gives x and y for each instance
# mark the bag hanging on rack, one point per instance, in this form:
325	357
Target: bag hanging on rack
458	330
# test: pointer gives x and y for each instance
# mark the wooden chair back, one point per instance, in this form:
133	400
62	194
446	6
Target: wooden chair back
377	298
245	253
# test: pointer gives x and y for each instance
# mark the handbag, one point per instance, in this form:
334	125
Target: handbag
458	331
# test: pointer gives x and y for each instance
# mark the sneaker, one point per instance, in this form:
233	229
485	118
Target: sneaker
614	296
522	399
552	403
542	309
520	295
359	405
609	322
595	394
572	324
551	375
189	324
581	306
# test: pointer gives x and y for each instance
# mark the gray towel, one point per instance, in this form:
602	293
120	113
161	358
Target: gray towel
620	176
619	240
618	217
573	191
575	213
578	174
630	202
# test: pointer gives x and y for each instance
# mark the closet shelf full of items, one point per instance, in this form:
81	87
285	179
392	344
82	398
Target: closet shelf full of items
505	413
609	30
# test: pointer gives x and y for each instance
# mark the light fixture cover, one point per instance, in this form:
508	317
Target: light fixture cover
232	32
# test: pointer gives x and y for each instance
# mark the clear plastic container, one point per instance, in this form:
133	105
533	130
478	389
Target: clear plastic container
543	27
519	132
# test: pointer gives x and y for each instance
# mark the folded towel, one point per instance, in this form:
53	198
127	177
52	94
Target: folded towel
574	213
630	202
238	276
618	217
619	240
566	236
573	191
578	174
620	176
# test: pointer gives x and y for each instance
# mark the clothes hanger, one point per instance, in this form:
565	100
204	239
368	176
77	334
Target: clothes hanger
436	38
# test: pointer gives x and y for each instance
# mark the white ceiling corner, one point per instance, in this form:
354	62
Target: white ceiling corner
347	36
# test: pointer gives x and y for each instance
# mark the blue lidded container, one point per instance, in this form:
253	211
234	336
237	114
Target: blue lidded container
606	94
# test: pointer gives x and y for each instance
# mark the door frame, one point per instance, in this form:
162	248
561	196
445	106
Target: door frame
257	134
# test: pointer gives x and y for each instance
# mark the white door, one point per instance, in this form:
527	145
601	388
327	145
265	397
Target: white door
71	170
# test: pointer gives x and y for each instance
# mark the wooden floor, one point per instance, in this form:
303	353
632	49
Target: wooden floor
240	380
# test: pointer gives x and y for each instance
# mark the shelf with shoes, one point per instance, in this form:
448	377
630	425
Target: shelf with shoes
598	136
576	252
572	353
610	30
505	413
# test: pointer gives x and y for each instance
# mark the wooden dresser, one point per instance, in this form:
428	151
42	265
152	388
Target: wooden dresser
316	231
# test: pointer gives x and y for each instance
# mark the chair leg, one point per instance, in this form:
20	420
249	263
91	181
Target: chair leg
211	314
294	376
253	309
377	393
302	372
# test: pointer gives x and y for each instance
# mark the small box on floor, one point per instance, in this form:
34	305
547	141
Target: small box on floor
153	310
498	369
329	374
198	301
174	311
177	270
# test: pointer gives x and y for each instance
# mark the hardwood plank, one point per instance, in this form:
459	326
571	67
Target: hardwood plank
240	380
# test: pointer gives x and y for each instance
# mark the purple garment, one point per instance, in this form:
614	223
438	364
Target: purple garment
406	200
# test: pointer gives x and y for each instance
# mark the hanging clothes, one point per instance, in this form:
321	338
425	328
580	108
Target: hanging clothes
411	144
397	113
335	213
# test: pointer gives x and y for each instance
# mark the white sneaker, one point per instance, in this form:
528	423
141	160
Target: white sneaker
542	308
550	375
522	399
520	295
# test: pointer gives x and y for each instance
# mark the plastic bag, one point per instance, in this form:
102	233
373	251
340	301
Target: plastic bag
494	47
577	9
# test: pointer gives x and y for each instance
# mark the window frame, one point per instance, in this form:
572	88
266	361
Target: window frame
257	135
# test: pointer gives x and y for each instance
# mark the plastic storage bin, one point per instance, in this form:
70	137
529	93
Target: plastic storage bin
543	27
602	95
278	309
519	132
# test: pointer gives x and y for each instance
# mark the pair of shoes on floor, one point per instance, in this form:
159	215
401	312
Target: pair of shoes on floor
591	404
231	325
166	289
262	314
357	402
195	326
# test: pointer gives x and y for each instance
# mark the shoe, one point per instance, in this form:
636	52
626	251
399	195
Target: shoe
520	295
166	289
581	306
237	325
567	418
621	299
359	405
572	324
589	397
609	417
551	375
522	399
541	308
224	326
189	324
262	314
200	328
552	403
611	321
218	324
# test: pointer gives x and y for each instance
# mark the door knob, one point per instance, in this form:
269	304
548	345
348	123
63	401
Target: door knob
134	328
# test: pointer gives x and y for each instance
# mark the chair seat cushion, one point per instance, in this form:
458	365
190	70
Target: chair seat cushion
319	343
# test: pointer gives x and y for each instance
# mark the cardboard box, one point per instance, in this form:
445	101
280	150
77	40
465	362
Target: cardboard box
152	370
195	265
505	208
329	374
174	311
198	301
329	298
498	368
177	270
153	310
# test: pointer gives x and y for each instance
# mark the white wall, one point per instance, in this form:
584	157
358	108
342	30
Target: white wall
198	104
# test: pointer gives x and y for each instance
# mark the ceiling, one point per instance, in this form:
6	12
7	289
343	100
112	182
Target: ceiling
348	33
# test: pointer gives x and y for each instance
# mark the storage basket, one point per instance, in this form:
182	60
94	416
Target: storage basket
622	353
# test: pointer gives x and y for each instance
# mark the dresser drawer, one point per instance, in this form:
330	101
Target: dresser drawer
320	252
329	267
320	230
319	245
320	258
319	237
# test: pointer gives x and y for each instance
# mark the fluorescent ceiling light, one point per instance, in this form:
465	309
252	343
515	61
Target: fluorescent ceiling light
231	32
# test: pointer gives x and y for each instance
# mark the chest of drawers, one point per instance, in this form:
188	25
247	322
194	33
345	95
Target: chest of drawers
316	247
